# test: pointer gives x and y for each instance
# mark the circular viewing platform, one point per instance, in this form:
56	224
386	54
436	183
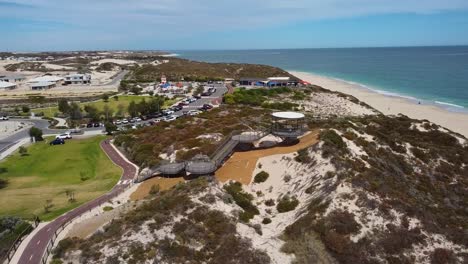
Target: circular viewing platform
288	124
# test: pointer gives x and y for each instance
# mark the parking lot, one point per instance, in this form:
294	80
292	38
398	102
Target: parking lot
220	90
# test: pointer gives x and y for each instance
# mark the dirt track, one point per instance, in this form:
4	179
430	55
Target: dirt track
145	187
240	165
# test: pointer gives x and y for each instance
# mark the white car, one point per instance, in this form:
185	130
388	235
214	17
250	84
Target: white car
137	119
124	121
118	122
170	118
193	112
4	118
64	136
169	112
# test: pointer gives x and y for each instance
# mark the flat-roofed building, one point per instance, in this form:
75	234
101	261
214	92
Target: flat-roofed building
7	85
13	78
78	78
42	85
46	78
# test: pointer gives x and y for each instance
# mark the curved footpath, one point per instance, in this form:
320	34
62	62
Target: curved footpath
36	247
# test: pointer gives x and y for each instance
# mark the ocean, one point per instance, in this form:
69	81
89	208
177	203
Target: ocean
435	75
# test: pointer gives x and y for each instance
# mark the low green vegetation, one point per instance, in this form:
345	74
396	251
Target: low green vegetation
182	69
286	204
261	177
242	199
11	228
117	107
51	180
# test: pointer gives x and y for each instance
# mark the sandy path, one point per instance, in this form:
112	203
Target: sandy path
145	187
241	165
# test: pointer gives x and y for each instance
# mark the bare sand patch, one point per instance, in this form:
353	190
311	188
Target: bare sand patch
241	165
145	187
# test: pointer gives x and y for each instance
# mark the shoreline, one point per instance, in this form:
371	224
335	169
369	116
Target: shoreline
392	104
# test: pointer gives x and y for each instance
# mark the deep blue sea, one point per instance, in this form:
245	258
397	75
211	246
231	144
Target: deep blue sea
437	75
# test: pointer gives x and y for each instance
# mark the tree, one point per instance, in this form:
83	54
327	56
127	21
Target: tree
116	98
151	93
105	97
110	127
132	109
135	90
107	112
75	112
71	195
120	110
23	151
92	113
25	109
63	106
48	205
35	133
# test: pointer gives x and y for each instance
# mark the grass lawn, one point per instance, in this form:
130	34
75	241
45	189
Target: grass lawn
48	171
124	100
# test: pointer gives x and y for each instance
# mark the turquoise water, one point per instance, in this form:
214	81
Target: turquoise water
436	75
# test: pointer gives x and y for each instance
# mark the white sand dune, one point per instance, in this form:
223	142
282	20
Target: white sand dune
457	122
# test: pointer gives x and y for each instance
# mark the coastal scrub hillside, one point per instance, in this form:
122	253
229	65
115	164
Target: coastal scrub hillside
373	189
177	69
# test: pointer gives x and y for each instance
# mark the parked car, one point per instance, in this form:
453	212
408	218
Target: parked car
4	118
89	125
57	141
137	119
193	112
168	112
96	124
192	99
197	96
124	121
170	118
131	120
64	136
118	122
75	131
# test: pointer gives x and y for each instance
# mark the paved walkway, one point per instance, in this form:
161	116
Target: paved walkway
36	247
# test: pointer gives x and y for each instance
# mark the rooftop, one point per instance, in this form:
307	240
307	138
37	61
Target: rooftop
288	115
6	84
46	79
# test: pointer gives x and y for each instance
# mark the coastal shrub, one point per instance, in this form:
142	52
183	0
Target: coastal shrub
331	138
287	204
107	208
303	156
3	183
298	95
270	202
243	200
266	221
443	256
261	177
342	222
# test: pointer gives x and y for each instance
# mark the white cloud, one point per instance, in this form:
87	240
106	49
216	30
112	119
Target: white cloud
150	18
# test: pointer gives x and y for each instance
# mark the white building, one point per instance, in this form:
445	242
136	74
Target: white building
46	78
12	78
78	79
7	85
42	85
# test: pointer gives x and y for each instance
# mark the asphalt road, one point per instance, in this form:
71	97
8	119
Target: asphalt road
36	247
39	123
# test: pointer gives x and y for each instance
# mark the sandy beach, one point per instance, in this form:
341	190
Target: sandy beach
392	105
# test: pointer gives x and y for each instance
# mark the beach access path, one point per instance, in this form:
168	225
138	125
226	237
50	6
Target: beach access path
36	247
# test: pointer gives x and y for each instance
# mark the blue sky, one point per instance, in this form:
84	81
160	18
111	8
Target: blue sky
37	25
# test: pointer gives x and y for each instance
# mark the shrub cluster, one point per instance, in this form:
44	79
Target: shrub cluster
261	177
287	204
242	199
